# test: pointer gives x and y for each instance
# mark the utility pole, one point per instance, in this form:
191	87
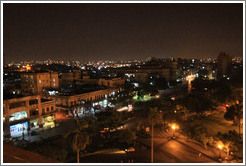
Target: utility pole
152	142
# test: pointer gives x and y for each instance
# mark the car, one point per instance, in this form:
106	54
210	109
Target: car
131	149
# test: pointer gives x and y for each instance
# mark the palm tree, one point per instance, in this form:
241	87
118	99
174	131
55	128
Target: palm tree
78	138
153	116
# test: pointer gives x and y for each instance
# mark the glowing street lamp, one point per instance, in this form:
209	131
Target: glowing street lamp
220	146
173	127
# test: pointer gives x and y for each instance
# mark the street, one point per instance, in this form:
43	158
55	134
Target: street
171	151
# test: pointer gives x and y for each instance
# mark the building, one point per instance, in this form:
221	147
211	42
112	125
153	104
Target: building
27	113
106	81
141	73
224	65
111	82
36	82
72	103
68	78
164	68
12	82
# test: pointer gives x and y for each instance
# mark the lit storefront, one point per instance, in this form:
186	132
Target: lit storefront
103	103
49	121
34	123
17	129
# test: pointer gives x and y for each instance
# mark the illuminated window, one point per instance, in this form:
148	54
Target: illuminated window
54	80
18	116
54	84
40	81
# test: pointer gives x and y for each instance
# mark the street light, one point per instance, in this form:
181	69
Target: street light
173	127
220	146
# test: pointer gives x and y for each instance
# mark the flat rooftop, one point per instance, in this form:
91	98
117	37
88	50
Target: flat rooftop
7	96
79	91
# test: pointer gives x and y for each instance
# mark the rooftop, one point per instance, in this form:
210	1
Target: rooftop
7	96
69	92
12	154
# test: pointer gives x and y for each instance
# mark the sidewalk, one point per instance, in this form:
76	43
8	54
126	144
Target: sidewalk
211	152
65	126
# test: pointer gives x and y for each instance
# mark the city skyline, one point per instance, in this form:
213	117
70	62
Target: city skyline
123	82
87	32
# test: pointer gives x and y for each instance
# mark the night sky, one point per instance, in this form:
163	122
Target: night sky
121	31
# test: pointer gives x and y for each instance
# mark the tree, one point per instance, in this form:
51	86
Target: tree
232	142
124	138
153	116
110	118
182	111
194	128
77	138
168	114
197	102
227	147
230	113
204	140
234	113
239	115
221	90
210	140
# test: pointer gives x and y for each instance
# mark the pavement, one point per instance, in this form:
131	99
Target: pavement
63	127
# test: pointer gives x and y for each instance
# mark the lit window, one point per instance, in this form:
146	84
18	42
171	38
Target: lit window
40	81
54	80
54	84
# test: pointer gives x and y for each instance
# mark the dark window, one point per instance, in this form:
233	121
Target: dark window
17	104
43	111
33	112
35	101
52	108
48	109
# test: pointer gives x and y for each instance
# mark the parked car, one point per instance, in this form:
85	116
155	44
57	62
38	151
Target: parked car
131	149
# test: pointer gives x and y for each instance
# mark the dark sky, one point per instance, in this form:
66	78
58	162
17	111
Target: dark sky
121	31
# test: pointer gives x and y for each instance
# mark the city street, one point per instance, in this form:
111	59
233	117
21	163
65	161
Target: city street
171	151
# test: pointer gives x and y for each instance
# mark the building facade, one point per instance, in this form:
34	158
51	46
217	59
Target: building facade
68	78
224	65
141	73
24	114
111	82
34	83
75	103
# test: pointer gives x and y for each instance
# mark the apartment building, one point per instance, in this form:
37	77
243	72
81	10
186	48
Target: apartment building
35	82
68	78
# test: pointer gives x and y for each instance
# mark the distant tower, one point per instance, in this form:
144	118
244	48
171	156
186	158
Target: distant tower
224	63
